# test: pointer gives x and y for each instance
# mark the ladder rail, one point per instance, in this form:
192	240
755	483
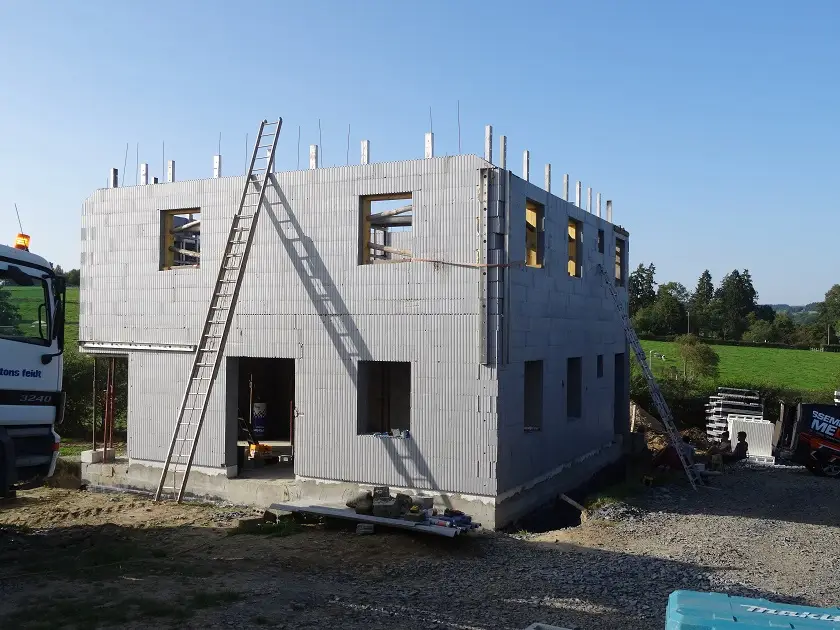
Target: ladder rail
217	304
655	393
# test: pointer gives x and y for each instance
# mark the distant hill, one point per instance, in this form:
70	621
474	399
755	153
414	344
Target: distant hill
800	314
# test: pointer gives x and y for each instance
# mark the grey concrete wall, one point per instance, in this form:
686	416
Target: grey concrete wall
552	317
305	297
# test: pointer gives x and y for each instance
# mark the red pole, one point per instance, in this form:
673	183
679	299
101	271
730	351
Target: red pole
112	403
105	426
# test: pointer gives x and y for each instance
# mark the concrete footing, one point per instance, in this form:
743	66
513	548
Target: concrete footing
97	456
491	512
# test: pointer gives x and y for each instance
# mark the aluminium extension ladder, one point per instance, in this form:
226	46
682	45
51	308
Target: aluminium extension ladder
219	314
655	393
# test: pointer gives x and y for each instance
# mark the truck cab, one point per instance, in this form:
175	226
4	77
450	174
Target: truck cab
32	299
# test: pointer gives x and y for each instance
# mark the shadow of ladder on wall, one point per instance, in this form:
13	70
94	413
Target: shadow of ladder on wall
653	387
334	316
216	326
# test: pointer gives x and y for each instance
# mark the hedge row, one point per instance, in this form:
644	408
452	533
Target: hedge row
748	344
687	400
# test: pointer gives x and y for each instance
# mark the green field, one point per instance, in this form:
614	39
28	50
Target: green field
27	300
772	367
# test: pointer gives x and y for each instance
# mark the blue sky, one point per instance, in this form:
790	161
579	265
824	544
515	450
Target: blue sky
713	126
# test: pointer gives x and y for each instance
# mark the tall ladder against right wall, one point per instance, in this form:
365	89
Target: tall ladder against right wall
653	387
214	333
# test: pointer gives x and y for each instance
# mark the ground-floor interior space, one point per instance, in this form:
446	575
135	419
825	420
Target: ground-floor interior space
265	403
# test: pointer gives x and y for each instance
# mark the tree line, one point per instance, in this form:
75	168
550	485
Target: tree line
72	276
729	311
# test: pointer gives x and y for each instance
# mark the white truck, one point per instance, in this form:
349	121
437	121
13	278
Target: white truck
32	307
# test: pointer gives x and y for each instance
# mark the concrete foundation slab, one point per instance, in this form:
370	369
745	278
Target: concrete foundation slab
263	491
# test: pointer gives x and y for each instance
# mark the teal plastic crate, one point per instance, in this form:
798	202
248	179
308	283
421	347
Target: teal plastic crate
690	610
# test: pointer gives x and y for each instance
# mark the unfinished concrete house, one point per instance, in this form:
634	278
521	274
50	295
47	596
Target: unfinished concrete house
438	325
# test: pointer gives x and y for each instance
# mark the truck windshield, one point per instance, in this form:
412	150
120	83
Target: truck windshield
24	307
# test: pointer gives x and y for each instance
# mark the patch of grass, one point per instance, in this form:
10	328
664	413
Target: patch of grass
619	493
770	367
73	448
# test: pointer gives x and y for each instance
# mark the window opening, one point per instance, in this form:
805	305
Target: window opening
384	397
387	222
24	307
620	266
180	238
575	238
534	234
574	387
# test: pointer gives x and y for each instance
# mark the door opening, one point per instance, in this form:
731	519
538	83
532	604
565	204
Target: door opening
266	415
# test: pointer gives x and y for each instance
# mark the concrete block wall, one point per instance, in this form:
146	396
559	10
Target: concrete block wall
305	297
553	316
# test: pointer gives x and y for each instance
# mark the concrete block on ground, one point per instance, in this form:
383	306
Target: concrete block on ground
96	457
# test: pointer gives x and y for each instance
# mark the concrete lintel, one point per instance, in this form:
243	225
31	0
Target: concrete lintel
430	145
217	166
313	156
365	158
548	177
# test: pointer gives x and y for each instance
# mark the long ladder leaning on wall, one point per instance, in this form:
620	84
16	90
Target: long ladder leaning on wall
653	387
217	323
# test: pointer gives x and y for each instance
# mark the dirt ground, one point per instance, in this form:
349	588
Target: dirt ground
75	558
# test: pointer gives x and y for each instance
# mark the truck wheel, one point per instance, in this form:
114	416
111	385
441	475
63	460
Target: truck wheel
831	468
823	465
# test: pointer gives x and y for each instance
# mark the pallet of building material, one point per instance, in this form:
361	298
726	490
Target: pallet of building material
759	433
759	459
734	391
426	527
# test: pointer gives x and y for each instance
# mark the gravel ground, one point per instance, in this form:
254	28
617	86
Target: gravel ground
760	533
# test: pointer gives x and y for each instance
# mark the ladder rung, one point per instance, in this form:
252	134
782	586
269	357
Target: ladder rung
212	336
204	364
